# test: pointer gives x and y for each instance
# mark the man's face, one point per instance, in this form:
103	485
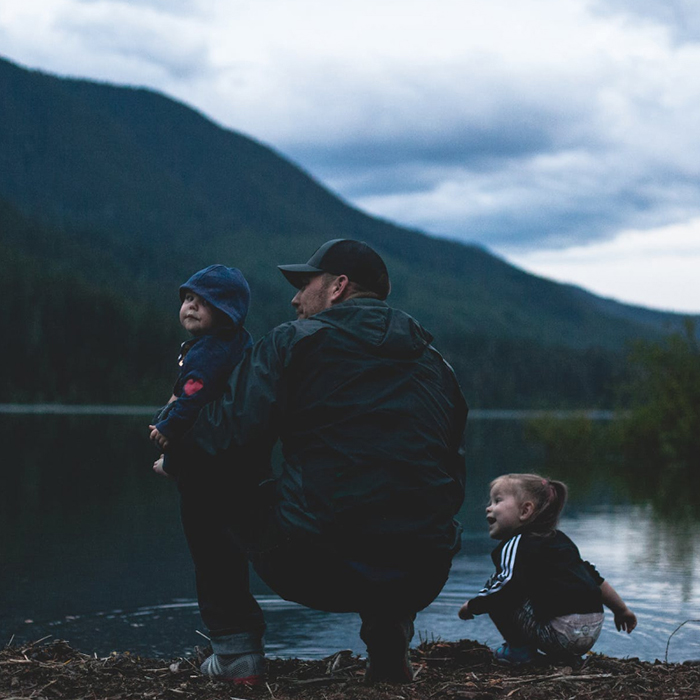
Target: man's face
314	295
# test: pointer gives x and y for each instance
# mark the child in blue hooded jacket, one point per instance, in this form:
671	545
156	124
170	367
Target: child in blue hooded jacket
215	303
214	492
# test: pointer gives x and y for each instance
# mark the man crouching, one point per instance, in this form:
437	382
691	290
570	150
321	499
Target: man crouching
370	418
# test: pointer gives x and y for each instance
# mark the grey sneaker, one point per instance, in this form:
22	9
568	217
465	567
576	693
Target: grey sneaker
242	669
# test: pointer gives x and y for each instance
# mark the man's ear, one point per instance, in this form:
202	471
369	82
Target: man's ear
339	288
527	510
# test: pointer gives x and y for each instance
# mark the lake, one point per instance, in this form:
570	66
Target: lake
92	552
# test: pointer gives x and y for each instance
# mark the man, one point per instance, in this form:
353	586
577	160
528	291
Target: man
370	420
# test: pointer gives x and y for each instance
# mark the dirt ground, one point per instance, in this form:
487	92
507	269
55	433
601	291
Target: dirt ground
463	670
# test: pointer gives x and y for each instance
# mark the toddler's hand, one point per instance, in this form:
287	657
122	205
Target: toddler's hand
464	612
625	621
158	437
158	468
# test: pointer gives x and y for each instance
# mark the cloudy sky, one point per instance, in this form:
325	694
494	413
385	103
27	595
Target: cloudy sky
563	135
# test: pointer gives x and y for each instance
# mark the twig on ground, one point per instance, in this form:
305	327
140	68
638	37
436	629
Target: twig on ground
674	632
41	690
15	661
323	680
556	677
38	641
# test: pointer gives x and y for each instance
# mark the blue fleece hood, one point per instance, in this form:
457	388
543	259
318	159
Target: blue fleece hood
224	288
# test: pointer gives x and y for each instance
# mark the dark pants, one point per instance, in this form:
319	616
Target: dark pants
228	526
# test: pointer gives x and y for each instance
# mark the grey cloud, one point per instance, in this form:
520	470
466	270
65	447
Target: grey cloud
552	162
681	17
175	7
417	154
494	155
140	44
376	168
519	206
594	215
476	145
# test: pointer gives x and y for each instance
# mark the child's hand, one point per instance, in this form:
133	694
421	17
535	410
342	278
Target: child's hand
158	468
464	612
625	621
158	438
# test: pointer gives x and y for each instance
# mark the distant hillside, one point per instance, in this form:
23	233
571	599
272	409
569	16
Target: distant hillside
115	195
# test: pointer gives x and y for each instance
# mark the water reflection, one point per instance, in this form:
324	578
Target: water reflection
588	455
92	551
84	525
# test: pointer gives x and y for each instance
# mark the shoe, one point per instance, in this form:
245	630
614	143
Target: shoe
387	643
241	669
515	655
381	670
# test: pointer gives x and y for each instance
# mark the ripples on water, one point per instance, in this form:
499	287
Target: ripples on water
661	590
87	528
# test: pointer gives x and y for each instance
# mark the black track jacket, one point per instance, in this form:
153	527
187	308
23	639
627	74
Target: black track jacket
547	570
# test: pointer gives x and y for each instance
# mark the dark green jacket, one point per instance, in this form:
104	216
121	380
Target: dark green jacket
371	421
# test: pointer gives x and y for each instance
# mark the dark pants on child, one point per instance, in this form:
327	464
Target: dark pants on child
228	526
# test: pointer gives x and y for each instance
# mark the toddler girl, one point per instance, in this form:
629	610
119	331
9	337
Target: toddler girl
543	596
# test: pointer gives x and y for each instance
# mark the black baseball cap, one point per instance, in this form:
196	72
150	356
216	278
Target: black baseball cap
344	256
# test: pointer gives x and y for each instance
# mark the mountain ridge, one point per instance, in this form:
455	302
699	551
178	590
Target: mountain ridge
161	190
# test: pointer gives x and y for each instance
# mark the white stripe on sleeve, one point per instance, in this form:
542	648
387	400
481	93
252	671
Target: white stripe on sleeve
499	580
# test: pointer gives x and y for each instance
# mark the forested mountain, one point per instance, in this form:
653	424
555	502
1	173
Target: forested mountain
110	197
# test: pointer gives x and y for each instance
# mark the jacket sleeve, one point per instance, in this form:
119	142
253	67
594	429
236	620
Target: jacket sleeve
505	586
252	402
593	572
202	379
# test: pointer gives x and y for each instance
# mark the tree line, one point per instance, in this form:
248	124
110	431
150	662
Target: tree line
654	444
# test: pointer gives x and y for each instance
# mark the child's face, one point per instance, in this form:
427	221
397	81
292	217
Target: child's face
196	315
506	512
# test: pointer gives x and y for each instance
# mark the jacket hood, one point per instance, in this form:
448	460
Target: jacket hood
390	332
224	288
